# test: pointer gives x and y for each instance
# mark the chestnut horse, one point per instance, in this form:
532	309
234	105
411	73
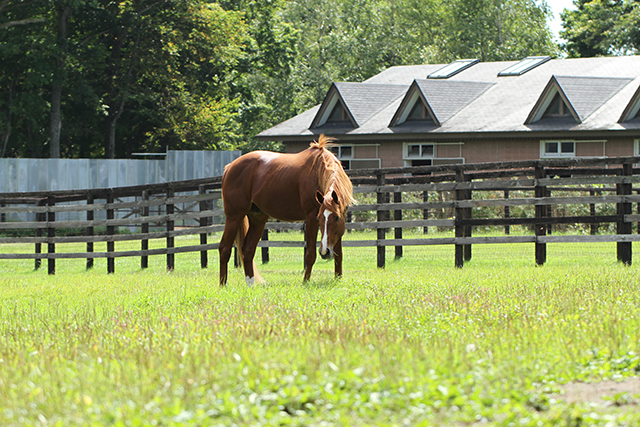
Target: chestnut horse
308	186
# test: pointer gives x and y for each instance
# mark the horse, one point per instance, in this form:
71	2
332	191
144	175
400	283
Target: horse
307	186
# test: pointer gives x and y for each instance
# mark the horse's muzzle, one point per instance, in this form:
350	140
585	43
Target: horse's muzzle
328	253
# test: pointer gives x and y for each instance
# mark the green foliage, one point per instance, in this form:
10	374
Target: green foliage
498	30
144	75
420	343
602	27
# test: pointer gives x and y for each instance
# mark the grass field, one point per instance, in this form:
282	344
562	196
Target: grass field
418	343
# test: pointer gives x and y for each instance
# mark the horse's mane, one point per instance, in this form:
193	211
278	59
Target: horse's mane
331	176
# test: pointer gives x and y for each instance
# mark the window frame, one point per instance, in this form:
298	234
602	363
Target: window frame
560	154
407	156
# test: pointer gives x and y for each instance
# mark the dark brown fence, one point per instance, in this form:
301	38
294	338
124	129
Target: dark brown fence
537	196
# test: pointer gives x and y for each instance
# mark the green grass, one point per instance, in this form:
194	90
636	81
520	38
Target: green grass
418	343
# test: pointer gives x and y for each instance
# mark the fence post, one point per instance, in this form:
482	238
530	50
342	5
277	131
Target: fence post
111	231
507	213
638	212
467	215
90	230
425	212
549	214
380	216
265	250
462	252
204	221
40	217
170	228
397	216
144	229
540	191
51	233
592	212
624	208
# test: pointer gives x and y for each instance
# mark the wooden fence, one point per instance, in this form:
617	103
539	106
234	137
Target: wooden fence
458	197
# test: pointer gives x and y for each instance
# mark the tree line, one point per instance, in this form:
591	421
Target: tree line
98	78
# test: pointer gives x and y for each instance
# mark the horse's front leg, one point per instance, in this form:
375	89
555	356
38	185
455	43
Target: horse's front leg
226	243
337	257
310	238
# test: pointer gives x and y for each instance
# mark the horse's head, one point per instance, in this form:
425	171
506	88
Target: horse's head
331	222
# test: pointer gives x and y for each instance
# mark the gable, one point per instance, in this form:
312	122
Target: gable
581	96
360	101
442	99
332	102
413	99
632	110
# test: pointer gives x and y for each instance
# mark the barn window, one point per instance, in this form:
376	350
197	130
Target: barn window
558	149
419	151
418	154
344	153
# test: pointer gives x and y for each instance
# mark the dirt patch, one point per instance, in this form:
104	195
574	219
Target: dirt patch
607	393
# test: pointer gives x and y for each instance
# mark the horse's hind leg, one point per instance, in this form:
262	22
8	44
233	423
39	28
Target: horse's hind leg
257	222
231	227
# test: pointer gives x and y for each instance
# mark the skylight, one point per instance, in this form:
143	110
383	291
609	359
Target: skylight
524	65
452	69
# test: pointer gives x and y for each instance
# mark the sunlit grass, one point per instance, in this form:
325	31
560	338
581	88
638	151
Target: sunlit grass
418	343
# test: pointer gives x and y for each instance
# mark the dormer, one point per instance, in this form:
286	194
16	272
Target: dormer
351	105
574	98
333	111
414	108
433	102
632	110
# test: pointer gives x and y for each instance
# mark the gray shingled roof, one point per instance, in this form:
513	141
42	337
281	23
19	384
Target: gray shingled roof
448	97
599	89
587	94
364	100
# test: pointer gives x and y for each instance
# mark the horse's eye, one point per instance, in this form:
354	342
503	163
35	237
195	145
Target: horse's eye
336	218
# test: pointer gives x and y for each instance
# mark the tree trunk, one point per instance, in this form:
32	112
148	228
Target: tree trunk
8	125
115	111
56	92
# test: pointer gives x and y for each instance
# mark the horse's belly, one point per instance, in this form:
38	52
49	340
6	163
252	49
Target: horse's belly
282	209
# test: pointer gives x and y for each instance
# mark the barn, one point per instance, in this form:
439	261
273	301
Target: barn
471	112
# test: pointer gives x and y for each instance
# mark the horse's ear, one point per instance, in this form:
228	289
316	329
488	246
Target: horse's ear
319	197
334	196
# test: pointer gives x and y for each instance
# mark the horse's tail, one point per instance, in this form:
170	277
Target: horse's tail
242	232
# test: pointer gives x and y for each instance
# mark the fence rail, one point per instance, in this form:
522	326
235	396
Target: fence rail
457	197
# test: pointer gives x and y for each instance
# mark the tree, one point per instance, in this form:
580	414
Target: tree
8	7
173	59
62	14
264	86
24	70
498	30
601	27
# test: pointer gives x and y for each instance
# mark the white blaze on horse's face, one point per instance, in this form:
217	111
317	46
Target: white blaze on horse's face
330	222
326	250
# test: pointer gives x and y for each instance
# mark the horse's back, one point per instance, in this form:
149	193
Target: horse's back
269	180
